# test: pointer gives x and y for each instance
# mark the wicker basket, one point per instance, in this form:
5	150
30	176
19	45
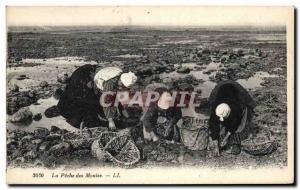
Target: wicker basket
98	146
194	133
122	151
263	144
260	149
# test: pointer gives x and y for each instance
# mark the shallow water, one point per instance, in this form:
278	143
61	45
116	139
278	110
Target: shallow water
47	71
255	81
128	56
194	72
172	41
44	122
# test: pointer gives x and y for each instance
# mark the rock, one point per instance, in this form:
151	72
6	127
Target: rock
54	129
232	56
19	160
144	71
53	137
223	59
180	53
60	149
220	76
50	161
52	112
41	133
16	134
87	133
225	52
15	88
160	69
63	77
38	164
205	51
240	53
11	135
183	70
15	101
243	65
189	79
186	87
44	146
27	138
37	141
258	52
18	59
22	77
44	84
30	155
57	130
24	114
11	144
81	153
208	72
37	117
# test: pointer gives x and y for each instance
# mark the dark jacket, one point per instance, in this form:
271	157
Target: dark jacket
172	114
81	99
233	94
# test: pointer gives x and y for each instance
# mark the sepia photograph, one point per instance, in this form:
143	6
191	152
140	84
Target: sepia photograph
149	95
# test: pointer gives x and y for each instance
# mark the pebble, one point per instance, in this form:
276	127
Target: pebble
44	84
63	77
183	70
37	141
37	117
15	88
44	146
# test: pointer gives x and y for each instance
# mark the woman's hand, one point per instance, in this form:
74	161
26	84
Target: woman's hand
125	113
225	140
168	130
111	124
216	150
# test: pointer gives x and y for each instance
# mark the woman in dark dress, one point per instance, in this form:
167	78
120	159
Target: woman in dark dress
160	120
80	103
231	114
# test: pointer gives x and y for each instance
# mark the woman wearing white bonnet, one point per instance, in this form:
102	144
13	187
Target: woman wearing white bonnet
230	118
223	111
80	103
111	79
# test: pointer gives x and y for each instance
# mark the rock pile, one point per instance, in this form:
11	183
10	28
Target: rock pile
44	147
17	100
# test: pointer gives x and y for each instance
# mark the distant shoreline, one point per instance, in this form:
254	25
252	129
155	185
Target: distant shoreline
109	28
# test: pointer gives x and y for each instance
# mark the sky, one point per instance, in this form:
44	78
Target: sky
147	16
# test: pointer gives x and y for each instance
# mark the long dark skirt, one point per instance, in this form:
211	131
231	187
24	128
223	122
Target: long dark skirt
79	102
232	92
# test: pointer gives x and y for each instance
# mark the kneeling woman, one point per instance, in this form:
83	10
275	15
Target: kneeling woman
160	120
231	114
80	103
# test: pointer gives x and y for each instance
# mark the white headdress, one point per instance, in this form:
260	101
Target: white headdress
128	79
223	111
106	74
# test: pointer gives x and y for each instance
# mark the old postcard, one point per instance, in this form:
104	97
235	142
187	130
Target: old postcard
150	95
